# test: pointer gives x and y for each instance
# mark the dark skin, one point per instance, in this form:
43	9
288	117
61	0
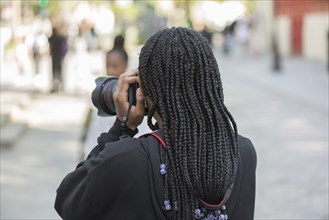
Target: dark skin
115	64
120	96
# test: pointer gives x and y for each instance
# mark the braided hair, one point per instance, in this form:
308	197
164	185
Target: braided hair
180	75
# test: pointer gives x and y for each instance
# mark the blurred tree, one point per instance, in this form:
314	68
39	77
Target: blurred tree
124	15
52	7
42	3
185	5
148	21
250	5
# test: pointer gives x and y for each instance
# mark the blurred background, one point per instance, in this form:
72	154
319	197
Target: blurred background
273	59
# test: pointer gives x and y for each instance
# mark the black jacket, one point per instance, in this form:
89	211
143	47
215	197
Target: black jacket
120	179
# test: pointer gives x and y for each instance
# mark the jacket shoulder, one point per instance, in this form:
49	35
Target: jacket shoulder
247	151
123	147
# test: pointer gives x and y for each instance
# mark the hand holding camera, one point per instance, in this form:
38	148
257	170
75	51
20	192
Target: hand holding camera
120	96
126	90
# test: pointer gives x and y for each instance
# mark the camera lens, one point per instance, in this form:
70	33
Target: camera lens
102	95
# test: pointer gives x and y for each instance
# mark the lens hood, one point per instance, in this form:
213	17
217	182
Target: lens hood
102	95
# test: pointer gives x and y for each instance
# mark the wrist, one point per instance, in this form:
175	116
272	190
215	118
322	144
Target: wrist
131	126
127	128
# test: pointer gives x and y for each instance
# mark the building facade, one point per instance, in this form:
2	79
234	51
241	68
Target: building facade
302	28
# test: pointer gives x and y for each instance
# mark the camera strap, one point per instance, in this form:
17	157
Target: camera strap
125	118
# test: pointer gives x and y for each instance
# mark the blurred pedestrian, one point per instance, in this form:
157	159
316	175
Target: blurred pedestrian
228	33
117	58
58	49
193	166
23	57
243	27
92	39
206	34
276	53
39	48
116	64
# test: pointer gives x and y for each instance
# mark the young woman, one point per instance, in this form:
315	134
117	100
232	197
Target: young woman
193	166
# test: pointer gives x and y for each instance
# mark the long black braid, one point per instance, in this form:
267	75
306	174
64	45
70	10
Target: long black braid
180	75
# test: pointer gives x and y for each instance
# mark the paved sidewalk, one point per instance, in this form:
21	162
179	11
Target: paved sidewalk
285	114
31	169
50	145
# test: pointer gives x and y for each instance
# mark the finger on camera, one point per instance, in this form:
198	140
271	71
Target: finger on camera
140	95
131	79
132	73
123	85
121	94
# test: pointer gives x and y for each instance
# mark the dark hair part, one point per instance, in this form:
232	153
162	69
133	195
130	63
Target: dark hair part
180	75
118	47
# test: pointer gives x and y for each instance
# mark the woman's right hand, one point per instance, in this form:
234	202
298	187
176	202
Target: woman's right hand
120	97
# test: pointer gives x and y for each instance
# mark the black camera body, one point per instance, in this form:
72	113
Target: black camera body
102	95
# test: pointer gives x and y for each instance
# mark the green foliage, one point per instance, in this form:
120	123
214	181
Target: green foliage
42	3
250	5
130	13
53	7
